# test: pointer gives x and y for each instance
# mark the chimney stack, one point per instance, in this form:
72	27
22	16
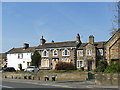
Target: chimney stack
42	41
26	45
52	41
91	39
78	38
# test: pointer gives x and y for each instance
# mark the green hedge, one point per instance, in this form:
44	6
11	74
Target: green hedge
113	68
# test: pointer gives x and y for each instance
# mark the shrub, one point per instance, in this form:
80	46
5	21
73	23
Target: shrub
102	65
65	66
113	68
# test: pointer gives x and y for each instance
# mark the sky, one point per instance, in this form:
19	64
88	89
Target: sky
26	22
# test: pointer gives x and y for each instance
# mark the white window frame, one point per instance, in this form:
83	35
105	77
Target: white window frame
64	59
100	51
46	64
47	53
54	53
79	64
89	52
20	55
63	52
80	53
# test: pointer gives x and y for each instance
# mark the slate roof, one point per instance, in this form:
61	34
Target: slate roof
58	45
21	50
97	44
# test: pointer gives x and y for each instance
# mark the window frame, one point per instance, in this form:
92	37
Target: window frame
79	64
47	53
54	53
100	52
47	64
89	52
20	55
68	52
80	53
67	59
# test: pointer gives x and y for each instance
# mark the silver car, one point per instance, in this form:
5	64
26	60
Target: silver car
31	68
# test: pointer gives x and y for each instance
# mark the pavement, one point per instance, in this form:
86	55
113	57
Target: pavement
60	83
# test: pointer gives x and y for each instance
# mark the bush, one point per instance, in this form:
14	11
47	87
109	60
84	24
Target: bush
64	66
102	65
113	68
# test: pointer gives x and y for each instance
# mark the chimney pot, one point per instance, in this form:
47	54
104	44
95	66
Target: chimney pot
26	45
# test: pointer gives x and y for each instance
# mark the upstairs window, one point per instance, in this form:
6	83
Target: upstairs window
80	53
20	56
65	52
55	52
100	52
89	52
45	53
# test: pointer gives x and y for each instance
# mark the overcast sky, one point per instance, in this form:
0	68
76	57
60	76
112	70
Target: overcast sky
27	22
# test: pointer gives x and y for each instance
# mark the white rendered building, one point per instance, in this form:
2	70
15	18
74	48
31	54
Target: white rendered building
21	56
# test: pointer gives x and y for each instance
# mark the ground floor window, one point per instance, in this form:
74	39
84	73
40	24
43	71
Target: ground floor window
80	63
45	63
65	60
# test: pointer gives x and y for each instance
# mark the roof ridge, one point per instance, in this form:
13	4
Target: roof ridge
61	42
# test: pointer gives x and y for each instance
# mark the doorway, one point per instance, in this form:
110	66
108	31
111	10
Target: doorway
89	65
54	62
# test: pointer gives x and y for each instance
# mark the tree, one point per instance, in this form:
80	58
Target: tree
102	65
116	19
113	67
36	59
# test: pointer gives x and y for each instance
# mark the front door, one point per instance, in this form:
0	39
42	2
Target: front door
89	65
54	61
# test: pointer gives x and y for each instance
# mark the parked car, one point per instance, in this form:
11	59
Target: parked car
9	69
31	68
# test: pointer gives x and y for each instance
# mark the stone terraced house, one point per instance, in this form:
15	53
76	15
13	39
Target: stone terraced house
82	55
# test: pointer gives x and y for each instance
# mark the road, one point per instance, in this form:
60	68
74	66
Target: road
23	84
82	85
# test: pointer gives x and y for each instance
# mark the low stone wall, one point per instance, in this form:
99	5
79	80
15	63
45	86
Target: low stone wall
41	76
107	79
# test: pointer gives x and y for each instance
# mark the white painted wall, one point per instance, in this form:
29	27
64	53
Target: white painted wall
13	61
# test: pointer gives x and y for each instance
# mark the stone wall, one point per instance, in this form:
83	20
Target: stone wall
107	79
40	76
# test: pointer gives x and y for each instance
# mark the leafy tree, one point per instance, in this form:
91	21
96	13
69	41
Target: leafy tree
36	59
102	65
113	67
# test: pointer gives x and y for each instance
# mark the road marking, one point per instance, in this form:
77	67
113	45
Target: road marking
5	86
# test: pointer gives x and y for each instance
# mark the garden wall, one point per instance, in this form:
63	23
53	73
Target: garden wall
107	79
41	76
